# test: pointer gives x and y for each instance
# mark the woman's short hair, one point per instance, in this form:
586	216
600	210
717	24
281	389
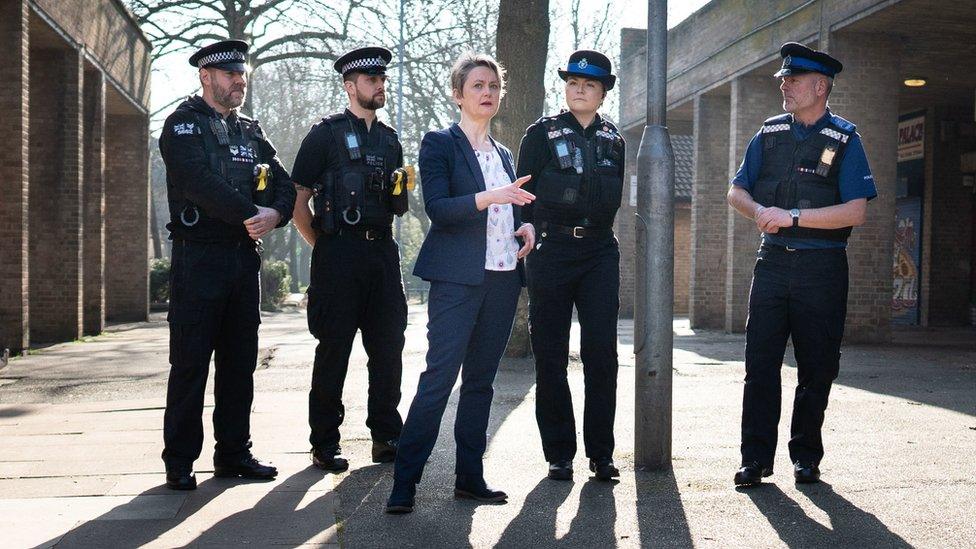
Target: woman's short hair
469	61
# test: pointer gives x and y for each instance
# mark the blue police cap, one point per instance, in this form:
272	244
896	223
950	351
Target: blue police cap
589	64
372	60
798	59
229	55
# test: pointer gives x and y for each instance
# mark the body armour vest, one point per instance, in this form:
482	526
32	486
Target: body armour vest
581	184
358	192
233	155
802	173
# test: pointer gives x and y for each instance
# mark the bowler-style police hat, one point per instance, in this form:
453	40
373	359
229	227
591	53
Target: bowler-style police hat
589	64
798	59
229	55
372	60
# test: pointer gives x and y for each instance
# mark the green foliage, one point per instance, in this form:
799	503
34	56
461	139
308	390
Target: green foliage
159	280
275	281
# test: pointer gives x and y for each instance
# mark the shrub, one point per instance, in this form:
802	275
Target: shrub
159	280
275	281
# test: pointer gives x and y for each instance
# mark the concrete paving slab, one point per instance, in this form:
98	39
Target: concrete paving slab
900	435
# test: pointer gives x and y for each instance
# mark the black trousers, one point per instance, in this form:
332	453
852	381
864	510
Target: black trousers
800	295
214	310
563	272
355	285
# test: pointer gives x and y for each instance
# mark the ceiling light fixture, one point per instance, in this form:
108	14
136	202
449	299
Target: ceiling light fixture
915	82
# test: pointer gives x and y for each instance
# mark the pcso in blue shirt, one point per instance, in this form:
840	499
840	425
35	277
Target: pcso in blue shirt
805	181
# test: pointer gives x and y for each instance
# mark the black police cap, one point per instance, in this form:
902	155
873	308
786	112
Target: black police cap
371	60
230	55
798	59
590	64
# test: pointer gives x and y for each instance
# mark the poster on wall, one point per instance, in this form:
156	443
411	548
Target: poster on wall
907	260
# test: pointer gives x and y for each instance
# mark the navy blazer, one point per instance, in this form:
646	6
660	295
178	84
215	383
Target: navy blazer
450	175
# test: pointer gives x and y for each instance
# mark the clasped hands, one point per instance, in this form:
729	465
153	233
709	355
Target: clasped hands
772	219
262	223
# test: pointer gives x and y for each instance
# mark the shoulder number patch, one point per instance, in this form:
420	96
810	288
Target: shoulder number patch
187	128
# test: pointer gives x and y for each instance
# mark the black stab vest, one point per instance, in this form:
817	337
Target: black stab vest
564	196
802	173
357	192
235	162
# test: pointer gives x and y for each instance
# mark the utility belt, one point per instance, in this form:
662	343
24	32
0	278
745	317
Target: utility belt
364	233
576	232
778	248
225	243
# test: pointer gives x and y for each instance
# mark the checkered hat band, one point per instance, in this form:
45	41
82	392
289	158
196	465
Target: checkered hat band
835	134
221	57
364	63
775	128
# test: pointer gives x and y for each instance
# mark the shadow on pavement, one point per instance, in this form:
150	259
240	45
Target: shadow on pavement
660	514
535	525
120	526
438	519
849	525
941	376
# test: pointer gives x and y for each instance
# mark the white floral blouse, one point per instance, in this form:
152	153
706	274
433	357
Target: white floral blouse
502	249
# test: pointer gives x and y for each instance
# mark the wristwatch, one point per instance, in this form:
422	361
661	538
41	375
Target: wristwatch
795	213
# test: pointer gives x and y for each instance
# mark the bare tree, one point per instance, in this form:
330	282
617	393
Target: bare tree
276	29
522	42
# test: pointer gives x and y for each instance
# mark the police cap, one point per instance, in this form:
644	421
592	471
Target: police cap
371	60
798	59
589	64
229	55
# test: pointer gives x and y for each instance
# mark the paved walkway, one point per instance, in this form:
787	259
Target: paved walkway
80	436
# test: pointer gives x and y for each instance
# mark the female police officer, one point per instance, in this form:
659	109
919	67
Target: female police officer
576	163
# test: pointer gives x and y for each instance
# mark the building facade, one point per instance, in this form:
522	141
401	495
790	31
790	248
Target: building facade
74	169
909	86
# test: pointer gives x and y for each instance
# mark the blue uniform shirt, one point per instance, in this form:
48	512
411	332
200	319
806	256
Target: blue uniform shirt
855	178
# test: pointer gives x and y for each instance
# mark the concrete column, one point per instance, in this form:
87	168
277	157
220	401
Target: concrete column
754	98
14	235
866	93
55	194
127	217
709	217
94	203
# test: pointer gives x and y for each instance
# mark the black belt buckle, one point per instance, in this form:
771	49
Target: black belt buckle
576	232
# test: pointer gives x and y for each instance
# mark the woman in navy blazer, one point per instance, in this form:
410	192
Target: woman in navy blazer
472	259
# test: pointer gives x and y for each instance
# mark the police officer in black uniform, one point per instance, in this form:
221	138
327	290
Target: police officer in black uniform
226	190
349	165
576	160
805	181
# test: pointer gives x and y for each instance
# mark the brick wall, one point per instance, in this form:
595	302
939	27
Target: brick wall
754	98
708	241
14	102
626	233
94	203
682	256
111	35
867	94
127	217
55	195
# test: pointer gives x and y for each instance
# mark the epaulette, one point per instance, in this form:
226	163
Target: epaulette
333	117
385	126
785	118
843	123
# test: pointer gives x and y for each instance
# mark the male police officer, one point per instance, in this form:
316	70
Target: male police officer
347	162
219	167
805	181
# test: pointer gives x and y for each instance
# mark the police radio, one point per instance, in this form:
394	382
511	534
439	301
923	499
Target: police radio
563	155
352	145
